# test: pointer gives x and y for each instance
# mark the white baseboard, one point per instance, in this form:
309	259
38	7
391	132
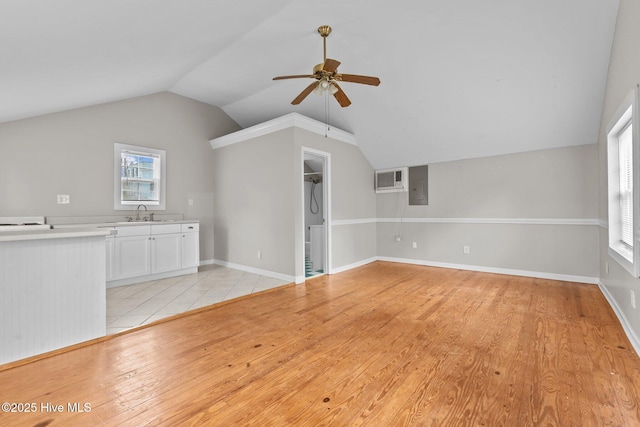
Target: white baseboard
626	325
254	270
525	273
353	265
207	262
513	272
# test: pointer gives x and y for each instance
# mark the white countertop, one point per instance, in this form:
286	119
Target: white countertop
124	224
64	231
15	236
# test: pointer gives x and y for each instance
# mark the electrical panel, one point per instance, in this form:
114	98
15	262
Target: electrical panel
418	185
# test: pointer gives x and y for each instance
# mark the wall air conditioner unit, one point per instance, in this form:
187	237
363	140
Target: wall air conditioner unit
391	180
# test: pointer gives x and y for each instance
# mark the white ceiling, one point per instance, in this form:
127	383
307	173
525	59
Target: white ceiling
460	79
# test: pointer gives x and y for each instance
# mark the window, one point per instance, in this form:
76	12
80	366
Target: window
622	148
139	177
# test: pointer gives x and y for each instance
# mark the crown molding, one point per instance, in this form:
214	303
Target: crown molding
284	122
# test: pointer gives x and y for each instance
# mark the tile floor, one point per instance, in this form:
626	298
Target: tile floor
135	305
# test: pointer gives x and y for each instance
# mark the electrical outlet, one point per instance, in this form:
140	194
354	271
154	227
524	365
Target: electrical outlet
259	254
64	199
632	296
606	267
415	245
466	249
190	202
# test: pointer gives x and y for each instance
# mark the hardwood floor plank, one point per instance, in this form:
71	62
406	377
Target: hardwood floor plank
384	344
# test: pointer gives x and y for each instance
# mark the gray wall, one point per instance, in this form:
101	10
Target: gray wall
624	75
534	212
259	200
72	153
254	202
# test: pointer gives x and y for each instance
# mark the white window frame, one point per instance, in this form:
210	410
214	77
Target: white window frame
627	255
118	203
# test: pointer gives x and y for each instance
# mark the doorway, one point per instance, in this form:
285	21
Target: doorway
316	212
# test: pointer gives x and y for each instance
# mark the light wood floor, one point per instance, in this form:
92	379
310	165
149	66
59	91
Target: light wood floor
385	344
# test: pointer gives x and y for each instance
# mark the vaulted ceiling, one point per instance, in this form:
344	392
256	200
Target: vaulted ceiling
460	79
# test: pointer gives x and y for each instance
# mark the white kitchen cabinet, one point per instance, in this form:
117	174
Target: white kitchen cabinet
166	248
147	252
166	254
190	245
133	256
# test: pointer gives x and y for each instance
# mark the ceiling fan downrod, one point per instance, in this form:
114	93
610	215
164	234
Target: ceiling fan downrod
324	31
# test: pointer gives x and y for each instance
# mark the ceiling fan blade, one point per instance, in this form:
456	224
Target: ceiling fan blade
353	78
330	65
341	97
304	93
298	76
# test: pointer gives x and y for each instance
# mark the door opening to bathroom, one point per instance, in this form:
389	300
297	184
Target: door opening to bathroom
315	183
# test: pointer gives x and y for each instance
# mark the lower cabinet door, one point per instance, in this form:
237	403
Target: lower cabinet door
190	250
166	252
133	256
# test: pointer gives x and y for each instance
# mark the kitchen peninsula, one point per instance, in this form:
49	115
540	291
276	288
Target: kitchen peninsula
52	290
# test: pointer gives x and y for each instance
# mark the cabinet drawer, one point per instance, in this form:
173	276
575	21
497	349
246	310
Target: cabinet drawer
191	227
165	229
133	230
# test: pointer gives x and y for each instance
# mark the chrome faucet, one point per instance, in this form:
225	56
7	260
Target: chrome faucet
138	211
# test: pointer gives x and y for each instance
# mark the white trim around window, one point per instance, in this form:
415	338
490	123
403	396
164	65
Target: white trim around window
623	176
139	177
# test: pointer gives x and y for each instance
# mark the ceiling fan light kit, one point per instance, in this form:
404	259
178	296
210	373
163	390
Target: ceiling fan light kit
325	86
327	77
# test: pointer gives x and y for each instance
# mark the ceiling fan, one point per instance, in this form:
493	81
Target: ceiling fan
327	77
